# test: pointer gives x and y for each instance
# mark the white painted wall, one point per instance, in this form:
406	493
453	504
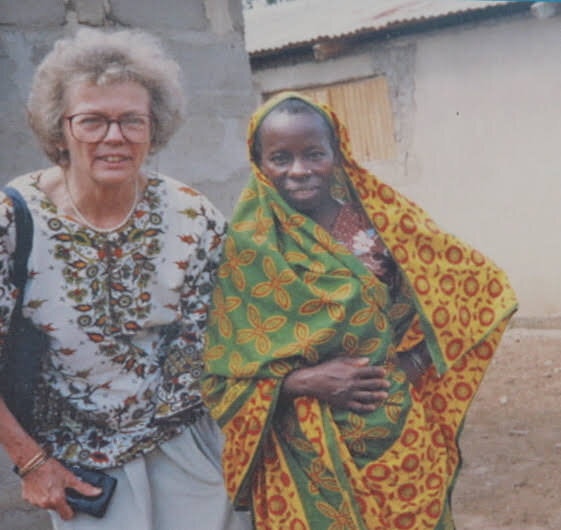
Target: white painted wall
487	132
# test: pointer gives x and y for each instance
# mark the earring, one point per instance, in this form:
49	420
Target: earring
339	186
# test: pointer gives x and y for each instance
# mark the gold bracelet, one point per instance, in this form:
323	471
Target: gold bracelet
34	463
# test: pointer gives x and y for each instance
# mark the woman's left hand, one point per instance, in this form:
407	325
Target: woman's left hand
344	383
46	488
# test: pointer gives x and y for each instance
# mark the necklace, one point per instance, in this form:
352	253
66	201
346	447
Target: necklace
85	222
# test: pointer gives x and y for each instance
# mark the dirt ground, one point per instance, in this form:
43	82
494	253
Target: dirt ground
511	479
511	444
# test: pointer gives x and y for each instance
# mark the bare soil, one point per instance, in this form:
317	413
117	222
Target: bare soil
511	445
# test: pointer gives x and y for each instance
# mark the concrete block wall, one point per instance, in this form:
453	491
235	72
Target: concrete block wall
206	38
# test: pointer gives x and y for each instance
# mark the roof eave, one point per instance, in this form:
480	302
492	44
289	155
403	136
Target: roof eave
393	30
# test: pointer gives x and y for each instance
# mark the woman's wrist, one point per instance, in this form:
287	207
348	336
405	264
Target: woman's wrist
22	449
35	462
296	384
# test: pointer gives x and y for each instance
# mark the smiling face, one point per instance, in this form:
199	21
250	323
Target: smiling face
113	160
296	154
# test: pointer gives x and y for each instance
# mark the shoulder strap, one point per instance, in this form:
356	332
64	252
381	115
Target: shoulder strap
25	343
24	237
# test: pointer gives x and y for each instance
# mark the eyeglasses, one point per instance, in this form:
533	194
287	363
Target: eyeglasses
92	128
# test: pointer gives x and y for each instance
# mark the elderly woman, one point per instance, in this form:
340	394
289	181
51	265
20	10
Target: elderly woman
346	339
120	274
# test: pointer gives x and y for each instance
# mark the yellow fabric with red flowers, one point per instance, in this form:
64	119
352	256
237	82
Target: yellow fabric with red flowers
288	296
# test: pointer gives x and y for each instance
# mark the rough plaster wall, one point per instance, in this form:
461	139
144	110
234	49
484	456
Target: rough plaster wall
20	50
206	37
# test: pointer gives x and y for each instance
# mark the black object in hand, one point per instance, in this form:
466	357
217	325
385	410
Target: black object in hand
96	505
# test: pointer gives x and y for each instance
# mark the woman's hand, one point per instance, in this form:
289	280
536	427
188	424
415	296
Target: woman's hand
45	487
348	383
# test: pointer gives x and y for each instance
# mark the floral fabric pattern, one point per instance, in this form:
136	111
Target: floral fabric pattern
290	295
125	314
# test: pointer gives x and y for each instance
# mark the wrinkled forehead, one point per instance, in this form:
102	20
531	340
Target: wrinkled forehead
89	96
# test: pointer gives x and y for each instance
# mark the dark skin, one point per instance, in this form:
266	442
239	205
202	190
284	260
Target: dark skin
298	158
296	154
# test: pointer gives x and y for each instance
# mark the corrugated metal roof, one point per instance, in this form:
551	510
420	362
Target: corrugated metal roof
297	22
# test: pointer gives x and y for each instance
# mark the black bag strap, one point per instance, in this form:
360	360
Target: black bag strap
24	343
24	240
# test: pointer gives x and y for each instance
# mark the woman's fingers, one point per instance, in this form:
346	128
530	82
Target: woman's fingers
369	397
66	513
84	488
51	499
46	488
363	368
362	408
361	387
372	372
358	400
343	382
372	384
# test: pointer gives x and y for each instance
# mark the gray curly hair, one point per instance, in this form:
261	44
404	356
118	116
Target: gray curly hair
102	58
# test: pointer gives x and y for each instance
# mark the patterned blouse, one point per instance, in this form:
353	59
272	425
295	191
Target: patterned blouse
354	230
125	314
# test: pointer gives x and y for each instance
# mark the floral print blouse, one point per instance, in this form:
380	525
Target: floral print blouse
354	230
125	314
